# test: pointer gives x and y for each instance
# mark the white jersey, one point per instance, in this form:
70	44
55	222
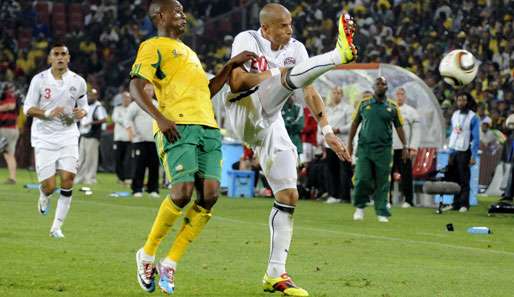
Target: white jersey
250	118
47	93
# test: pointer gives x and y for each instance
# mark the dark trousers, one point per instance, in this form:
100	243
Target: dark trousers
122	162
317	175
459	171
145	156
339	181
405	170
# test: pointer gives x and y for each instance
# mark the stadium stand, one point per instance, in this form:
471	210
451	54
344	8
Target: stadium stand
103	36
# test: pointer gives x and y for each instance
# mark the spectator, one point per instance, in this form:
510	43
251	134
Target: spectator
487	137
121	146
308	136
248	161
140	132
339	179
508	157
411	127
89	144
463	144
293	118
8	129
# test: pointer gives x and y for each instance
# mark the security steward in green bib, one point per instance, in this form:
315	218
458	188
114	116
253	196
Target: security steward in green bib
376	115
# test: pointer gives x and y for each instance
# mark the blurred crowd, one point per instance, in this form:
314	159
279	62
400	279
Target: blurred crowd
103	37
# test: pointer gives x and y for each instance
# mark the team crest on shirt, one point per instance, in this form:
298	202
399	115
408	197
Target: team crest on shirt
176	54
73	90
289	61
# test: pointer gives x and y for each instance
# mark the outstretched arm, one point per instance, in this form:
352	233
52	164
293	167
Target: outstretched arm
317	107
217	82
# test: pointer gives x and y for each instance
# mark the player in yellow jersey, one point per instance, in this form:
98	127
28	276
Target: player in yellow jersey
186	134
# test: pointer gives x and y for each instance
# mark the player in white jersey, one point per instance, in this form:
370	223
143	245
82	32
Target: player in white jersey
56	99
254	105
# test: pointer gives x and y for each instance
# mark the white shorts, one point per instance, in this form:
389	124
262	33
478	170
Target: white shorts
250	113
278	159
256	119
48	161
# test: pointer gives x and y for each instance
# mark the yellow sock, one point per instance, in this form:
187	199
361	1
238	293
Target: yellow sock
194	221
168	213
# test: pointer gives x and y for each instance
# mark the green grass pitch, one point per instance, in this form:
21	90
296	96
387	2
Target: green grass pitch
331	256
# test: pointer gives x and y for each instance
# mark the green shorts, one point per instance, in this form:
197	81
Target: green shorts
196	154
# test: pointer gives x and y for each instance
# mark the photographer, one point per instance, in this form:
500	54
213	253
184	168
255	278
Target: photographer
508	157
8	129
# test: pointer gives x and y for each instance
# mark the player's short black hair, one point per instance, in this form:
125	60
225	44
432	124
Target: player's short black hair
58	43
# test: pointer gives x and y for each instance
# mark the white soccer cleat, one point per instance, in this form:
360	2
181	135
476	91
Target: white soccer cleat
332	200
155	195
389	205
56	234
166	278
42	205
382	219
358	215
406	205
463	209
138	195
145	272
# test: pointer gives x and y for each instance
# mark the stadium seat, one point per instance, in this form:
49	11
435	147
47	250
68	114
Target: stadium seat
75	16
59	23
425	163
42	12
241	183
24	38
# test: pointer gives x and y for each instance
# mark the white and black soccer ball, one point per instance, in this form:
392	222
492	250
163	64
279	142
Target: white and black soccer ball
458	68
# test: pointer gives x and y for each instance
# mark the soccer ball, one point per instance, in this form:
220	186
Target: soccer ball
458	68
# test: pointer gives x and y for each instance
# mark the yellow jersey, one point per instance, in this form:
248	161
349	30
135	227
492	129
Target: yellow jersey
180	83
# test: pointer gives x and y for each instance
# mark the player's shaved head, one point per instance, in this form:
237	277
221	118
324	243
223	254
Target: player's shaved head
276	24
272	12
380	87
168	17
157	6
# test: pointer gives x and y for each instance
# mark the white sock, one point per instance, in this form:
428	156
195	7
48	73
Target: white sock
281	233
308	71
145	257
169	263
63	206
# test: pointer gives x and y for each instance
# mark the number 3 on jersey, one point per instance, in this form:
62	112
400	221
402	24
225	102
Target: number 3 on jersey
48	93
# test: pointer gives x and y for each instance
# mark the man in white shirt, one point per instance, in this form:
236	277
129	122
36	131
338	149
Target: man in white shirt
90	136
253	108
121	146
56	98
339	179
411	126
140	131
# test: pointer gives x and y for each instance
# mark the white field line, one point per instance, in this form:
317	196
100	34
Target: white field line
379	237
